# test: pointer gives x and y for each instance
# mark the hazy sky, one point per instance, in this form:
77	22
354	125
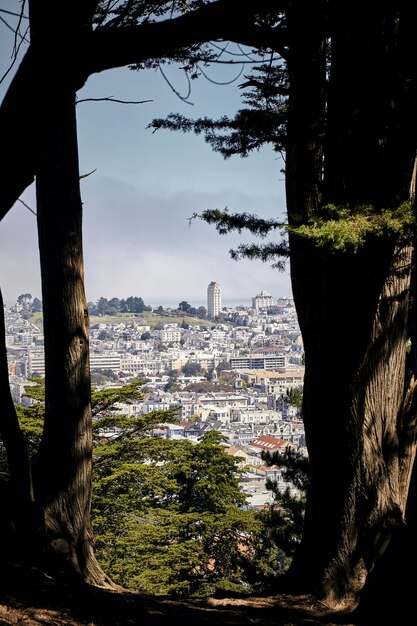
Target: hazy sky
137	204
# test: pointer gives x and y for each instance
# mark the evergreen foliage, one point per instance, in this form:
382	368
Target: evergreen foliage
262	121
283	521
31	418
346	229
132	304
169	515
294	397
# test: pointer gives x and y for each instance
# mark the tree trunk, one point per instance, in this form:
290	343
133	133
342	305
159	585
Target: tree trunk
64	464
63	469
360	431
358	434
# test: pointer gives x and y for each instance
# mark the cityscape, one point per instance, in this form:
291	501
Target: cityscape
231	371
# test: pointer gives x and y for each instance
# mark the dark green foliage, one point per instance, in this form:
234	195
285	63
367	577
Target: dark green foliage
169	515
114	306
106	398
24	299
192	369
283	520
294	397
262	122
209	482
36	305
295	466
130	12
226	222
31	418
184	306
282	525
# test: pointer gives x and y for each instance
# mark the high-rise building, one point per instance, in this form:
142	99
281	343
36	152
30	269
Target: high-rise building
263	300
214	299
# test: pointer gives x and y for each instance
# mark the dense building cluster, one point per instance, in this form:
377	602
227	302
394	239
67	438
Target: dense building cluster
232	376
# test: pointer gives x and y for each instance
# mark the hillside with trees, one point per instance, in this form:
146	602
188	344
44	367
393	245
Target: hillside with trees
336	93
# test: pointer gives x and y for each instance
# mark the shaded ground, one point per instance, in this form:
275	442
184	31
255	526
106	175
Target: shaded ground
35	600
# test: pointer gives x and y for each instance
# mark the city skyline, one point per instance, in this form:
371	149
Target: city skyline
201	300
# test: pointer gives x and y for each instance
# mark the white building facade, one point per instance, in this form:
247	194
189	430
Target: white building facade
263	300
214	299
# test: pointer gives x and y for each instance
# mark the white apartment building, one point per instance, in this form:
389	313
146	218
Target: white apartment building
258	362
106	361
214	299
263	300
170	335
137	365
255	415
36	363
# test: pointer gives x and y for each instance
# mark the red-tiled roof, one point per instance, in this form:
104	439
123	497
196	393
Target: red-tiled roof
266	442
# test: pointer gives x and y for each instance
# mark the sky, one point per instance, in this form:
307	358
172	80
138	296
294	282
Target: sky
138	238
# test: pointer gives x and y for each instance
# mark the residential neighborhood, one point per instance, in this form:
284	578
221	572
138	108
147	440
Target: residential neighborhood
231	373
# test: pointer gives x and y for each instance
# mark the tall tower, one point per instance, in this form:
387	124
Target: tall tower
214	299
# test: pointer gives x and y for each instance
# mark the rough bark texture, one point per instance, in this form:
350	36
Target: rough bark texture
360	446
62	473
64	464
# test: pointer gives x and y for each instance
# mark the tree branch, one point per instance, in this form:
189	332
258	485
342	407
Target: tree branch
99	50
231	20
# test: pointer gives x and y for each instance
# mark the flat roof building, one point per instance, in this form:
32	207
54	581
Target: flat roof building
263	300
214	299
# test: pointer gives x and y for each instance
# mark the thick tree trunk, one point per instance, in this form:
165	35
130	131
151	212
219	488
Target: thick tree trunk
360	436
63	469
64	464
357	429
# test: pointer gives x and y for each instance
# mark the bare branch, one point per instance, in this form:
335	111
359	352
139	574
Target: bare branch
111	99
177	93
103	49
19	15
27	206
226	82
88	174
17	34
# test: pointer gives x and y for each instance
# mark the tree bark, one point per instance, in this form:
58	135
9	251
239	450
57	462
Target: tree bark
63	469
361	445
64	464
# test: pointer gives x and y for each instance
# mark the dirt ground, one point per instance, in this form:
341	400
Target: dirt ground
35	600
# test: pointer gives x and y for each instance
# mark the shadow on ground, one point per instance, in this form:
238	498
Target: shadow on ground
31	599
